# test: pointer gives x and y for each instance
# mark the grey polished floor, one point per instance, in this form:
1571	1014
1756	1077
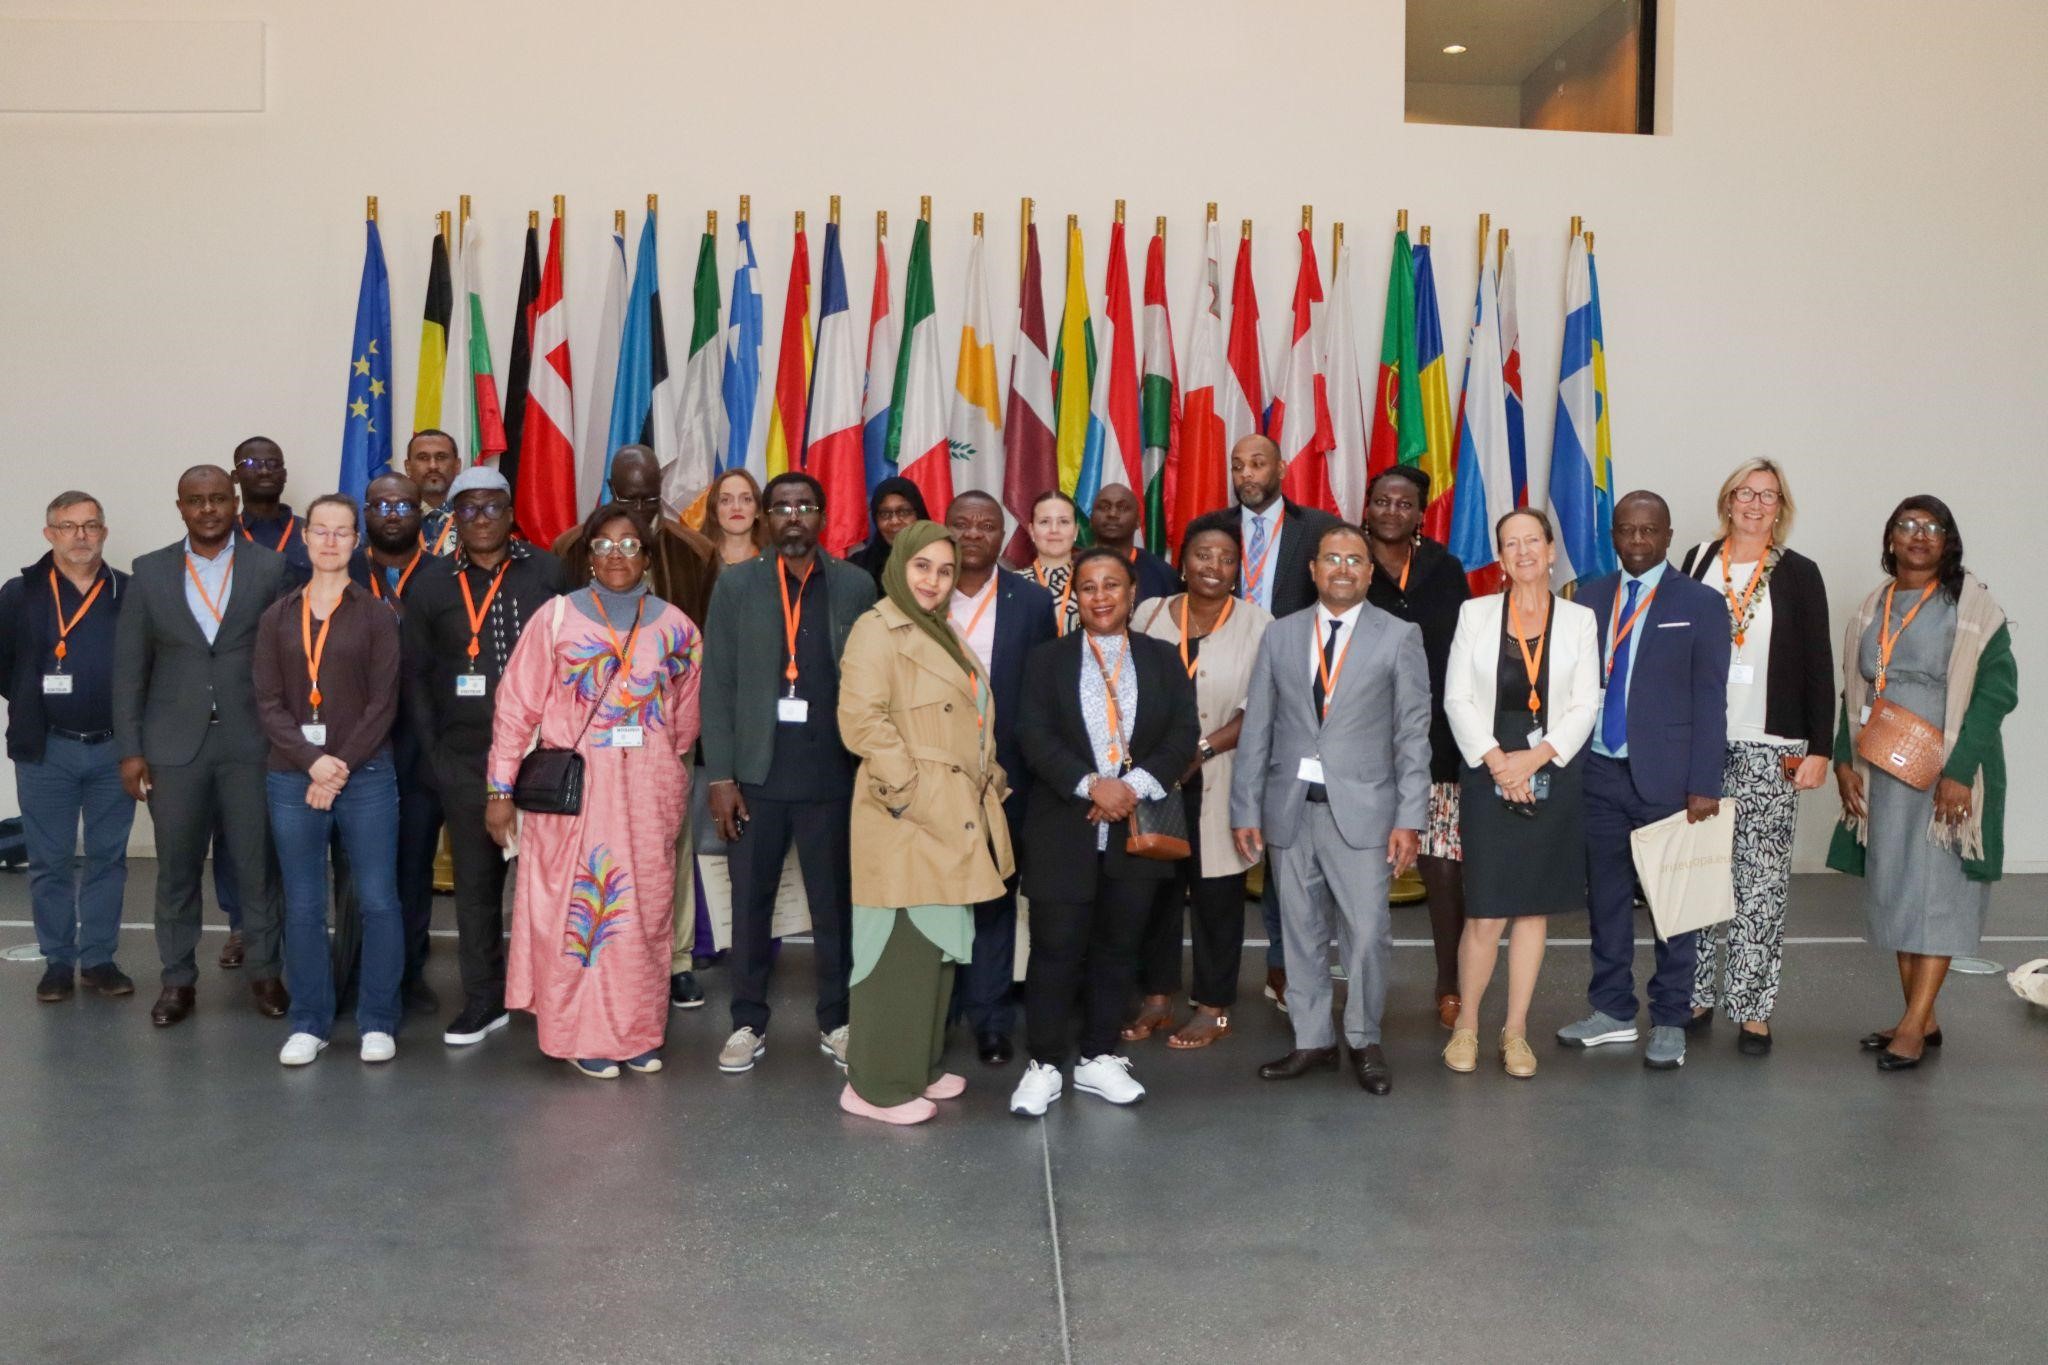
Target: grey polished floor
180	1197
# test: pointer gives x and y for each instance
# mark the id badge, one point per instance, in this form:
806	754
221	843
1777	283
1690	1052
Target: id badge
469	684
792	710
1311	770
315	733
56	684
1742	675
628	736
1535	736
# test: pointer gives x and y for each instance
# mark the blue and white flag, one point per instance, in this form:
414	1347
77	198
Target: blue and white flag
740	385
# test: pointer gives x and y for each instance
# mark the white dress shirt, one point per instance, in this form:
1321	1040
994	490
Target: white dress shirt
1345	625
217	574
982	638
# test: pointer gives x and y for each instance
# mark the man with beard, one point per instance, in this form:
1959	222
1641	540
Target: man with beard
1113	522
431	462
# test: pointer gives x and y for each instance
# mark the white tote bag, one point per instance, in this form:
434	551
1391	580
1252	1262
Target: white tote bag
1687	870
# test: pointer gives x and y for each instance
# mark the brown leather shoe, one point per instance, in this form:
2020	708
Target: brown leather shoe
1375	1077
271	1000
172	1006
231	951
1447	1007
1299	1062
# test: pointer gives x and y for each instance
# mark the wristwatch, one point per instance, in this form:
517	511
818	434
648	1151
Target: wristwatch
1203	748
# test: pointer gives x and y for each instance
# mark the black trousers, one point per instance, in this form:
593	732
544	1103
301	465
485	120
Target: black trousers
1084	954
479	877
1215	907
819	829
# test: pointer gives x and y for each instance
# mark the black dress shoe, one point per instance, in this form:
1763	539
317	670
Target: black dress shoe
107	979
172	1006
1878	1042
57	984
232	952
271	1000
1299	1062
1700	1022
995	1049
1888	1060
1753	1044
683	991
1375	1077
419	997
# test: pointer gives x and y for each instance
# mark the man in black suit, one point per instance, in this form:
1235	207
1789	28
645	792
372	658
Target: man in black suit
190	744
1113	522
1002	616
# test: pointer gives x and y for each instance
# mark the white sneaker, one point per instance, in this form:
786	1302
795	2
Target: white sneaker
833	1045
741	1051
300	1049
1110	1077
379	1047
1039	1088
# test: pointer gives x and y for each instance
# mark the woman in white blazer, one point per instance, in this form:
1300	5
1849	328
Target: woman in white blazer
1521	693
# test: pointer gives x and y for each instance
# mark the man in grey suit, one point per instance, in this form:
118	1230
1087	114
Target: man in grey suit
1333	772
190	744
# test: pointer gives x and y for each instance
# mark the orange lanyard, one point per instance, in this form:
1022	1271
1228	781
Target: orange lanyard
397	593
624	654
967	631
282	540
1224	615
1621	632
1257	574
476	615
65	627
1059	617
792	617
315	649
1531	664
1887	638
226	582
1115	713
1323	672
1738	609
1406	565
441	541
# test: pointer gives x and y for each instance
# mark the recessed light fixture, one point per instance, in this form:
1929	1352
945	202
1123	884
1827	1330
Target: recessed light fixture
1454	49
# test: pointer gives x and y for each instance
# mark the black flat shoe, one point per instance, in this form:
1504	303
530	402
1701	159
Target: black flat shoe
1888	1060
1699	1023
1877	1042
994	1049
1753	1044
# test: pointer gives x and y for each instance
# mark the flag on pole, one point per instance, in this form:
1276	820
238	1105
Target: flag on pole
1440	449
1201	480
793	364
975	424
519	363
544	503
366	429
479	420
1603	451
1484	490
1399	433
1073	369
700	424
1581	467
879	385
642	403
597	416
426	398
1349	427
1244	393
1511	376
918	447
1113	449
740	383
1030	452
1300	421
832	452
1160	399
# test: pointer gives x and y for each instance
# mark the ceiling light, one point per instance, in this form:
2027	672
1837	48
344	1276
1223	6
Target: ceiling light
1454	49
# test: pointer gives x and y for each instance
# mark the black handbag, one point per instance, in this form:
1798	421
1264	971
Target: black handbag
1159	829
550	781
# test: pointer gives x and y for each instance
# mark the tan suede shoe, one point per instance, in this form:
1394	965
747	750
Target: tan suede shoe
1462	1052
1515	1057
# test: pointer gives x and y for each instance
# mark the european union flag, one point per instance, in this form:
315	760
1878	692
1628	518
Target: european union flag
366	431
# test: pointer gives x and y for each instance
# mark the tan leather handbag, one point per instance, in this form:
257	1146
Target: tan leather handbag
1896	741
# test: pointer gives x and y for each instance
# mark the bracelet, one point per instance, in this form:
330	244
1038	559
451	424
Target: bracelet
497	796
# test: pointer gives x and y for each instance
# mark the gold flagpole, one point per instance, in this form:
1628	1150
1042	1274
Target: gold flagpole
1024	237
1336	242
977	223
559	201
1424	239
711	221
1400	220
833	211
1485	231
370	208
1119	210
619	221
746	207
924	207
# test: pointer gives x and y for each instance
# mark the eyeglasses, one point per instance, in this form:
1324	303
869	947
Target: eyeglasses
270	462
1919	526
331	534
794	509
482	511
1769	497
78	528
385	507
1337	561
604	547
648	503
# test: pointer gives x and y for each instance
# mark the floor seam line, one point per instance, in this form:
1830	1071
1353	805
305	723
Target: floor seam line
1059	1274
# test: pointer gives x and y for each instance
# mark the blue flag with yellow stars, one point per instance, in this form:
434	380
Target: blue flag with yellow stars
366	432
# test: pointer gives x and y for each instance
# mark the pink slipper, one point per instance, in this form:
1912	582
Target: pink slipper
946	1087
904	1114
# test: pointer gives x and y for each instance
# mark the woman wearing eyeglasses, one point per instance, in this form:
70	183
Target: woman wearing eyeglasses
892	505
1932	644
610	672
1781	713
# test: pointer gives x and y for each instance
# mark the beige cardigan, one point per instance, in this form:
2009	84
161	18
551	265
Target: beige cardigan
1223	675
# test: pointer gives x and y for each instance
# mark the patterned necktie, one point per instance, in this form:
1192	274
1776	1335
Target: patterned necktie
1614	712
1329	663
1258	557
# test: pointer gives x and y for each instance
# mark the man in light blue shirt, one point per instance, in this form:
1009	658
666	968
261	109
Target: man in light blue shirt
1637	590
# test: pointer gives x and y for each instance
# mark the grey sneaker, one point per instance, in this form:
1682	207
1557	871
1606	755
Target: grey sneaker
1666	1051
833	1045
1597	1029
741	1051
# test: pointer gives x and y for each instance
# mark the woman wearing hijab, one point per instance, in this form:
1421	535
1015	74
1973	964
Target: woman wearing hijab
893	505
928	833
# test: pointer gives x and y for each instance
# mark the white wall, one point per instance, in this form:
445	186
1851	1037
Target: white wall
1834	257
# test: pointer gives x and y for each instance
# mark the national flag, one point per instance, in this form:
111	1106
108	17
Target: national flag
1511	376
519	364
426	398
975	423
740	383
917	408
1160	402
1349	427
1073	369
1484	490
1603	454
366	429
1399	433
478	423
832	451
1030	452
792	365
700	418
1440	449
597	410
1244	389
544	503
1300	420
1113	450
1201	480
643	402
879	385
1581	465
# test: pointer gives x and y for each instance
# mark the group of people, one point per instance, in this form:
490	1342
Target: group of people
315	696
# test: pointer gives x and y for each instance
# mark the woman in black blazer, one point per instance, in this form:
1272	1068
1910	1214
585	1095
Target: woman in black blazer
1781	717
1108	719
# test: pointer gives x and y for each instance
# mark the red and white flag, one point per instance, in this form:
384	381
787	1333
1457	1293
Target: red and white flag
1244	395
546	497
1350	429
1300	421
1199	473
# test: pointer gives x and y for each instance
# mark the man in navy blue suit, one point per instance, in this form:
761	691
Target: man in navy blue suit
1657	750
1003	616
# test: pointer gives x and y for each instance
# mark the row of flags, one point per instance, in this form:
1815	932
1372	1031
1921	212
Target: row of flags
1097	402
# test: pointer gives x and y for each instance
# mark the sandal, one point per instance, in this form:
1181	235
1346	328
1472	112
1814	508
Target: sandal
1155	1016
1208	1026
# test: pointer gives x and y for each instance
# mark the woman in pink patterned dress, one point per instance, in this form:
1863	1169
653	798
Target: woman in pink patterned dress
590	936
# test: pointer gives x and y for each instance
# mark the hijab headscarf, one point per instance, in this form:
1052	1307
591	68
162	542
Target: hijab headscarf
896	585
873	554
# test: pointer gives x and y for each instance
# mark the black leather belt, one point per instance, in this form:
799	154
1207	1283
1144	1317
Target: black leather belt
1318	794
82	736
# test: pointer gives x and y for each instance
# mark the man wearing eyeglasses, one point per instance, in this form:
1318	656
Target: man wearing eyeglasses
266	518
57	672
777	771
462	617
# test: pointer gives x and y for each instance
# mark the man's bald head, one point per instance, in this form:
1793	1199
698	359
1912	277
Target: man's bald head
1255	470
636	480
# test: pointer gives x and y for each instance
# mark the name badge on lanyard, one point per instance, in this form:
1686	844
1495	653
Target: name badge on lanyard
628	737
56	684
469	684
315	733
792	710
1742	675
1311	770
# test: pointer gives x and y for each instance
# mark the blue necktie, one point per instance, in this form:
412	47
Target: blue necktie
1258	557
1614	713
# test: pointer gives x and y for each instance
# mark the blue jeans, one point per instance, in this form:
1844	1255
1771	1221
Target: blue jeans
77	921
366	813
